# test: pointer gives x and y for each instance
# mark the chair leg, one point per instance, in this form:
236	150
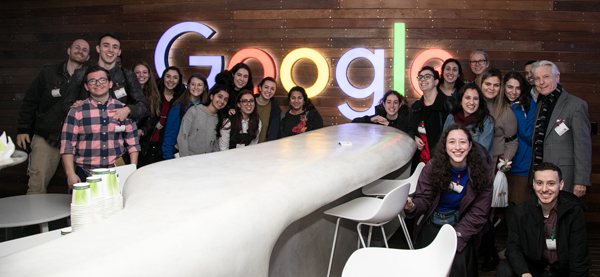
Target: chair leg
359	235
370	235
405	229
337	225
384	236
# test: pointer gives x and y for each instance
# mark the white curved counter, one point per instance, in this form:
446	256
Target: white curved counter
219	214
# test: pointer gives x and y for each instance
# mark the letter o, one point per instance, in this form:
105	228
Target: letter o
287	65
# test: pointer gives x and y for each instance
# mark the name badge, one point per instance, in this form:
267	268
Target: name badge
551	244
455	187
56	92
561	127
119	128
120	93
240	145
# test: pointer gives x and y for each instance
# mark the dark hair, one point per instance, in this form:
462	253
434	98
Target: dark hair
236	119
525	98
482	112
178	89
401	98
184	100
267	79
150	90
221	114
436	75
112	35
459	81
548	166
441	168
499	102
530	62
235	69
307	103
95	68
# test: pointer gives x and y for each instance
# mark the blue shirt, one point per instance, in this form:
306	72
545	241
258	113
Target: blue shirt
171	131
450	201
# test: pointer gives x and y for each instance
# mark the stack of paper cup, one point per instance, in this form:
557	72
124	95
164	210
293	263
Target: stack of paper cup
97	197
82	213
114	185
107	200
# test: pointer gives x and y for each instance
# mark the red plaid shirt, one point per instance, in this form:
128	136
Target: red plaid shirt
89	134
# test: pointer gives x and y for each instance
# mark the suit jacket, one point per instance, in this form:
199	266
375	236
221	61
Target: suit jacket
572	151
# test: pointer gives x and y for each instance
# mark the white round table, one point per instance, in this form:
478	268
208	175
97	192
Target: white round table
17	157
24	210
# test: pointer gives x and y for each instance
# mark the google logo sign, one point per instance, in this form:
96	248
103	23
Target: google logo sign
375	57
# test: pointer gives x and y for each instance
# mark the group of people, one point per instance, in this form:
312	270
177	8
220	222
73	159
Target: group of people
101	115
528	127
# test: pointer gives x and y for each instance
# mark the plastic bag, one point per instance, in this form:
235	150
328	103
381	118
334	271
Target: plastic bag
500	194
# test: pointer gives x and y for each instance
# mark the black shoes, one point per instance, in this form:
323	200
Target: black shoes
491	261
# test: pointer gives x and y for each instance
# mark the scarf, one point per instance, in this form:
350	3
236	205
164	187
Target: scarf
462	120
541	124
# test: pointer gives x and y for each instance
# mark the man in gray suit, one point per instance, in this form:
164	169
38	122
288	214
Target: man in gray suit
562	130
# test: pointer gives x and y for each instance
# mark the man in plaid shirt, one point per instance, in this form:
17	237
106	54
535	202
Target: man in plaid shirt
91	137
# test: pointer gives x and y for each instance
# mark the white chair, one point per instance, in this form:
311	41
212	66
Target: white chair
369	211
433	260
123	172
380	188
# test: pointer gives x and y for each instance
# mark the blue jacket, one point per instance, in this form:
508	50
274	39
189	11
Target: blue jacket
526	121
171	132
485	138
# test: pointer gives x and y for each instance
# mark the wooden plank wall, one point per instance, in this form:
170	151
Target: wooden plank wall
33	33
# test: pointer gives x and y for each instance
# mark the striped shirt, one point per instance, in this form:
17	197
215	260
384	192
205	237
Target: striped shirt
94	137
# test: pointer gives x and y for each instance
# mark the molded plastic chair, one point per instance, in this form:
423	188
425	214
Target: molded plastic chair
380	188
369	211
123	172
433	260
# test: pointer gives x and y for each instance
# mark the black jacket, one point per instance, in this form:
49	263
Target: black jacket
433	118
526	238
401	122
40	112
122	78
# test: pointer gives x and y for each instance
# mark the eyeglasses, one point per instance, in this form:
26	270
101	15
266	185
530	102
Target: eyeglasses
424	77
479	62
247	102
100	81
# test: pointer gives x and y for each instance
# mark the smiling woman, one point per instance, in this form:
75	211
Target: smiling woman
454	188
302	116
451	80
242	128
392	111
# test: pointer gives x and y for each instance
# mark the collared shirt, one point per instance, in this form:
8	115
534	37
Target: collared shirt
549	232
94	137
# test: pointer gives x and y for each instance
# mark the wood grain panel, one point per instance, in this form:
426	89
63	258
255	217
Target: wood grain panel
33	33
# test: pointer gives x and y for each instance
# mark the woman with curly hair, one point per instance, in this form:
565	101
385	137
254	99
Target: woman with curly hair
454	188
302	116
242	128
470	111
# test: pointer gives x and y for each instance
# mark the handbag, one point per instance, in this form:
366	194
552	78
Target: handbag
439	218
500	194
